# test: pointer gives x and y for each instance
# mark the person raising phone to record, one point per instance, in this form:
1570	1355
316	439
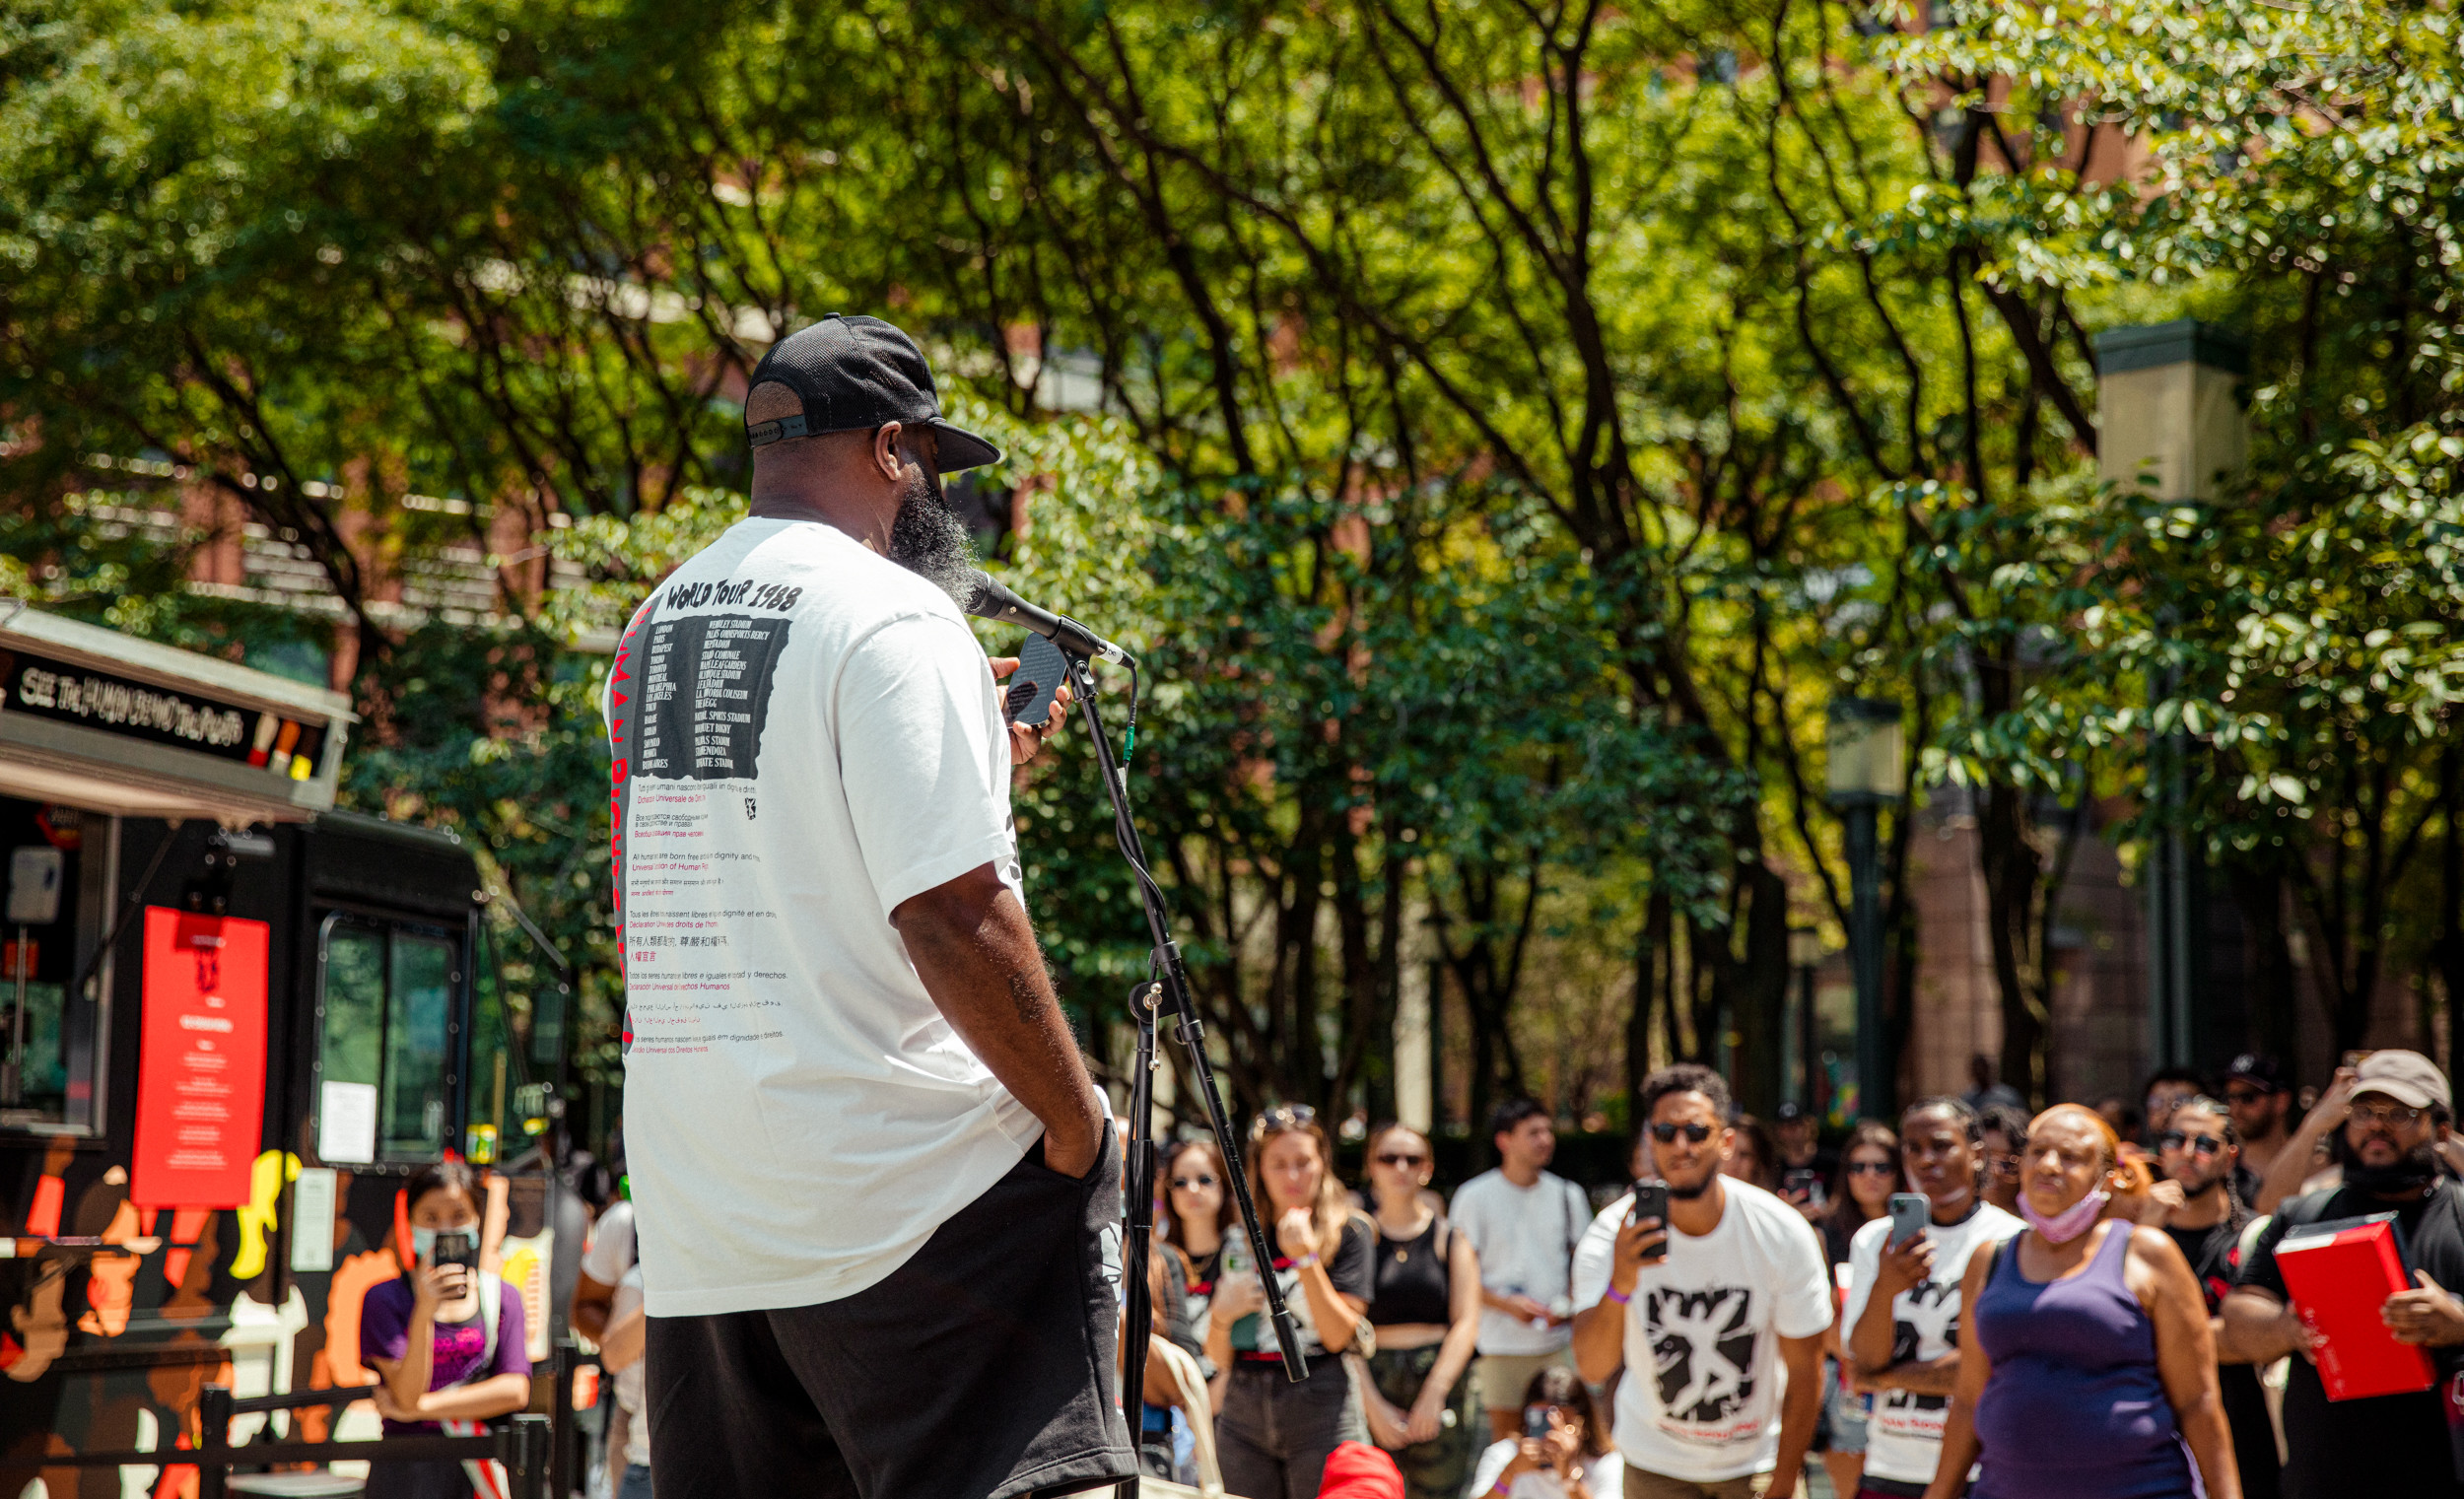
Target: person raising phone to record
442	1351
1903	1296
1708	1307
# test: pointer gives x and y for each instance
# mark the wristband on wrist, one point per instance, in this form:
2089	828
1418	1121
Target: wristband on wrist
1308	1260
1617	1296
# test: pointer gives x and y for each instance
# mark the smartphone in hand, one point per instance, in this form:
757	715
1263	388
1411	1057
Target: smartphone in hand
1041	669
456	1247
1909	1213
1651	1200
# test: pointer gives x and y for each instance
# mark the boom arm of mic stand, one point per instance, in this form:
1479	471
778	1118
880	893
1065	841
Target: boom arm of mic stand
1169	993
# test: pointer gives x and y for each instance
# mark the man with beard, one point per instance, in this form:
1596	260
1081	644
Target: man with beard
875	1199
1902	1317
1713	1314
2395	1444
2199	1205
2255	1088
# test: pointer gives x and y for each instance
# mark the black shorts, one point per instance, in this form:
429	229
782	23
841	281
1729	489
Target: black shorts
982	1368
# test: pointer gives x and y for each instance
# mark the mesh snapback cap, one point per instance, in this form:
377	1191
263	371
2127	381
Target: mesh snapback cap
857	374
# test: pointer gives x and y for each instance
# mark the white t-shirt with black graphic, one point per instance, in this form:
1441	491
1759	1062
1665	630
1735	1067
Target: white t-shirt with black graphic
1903	1434
1700	1400
805	736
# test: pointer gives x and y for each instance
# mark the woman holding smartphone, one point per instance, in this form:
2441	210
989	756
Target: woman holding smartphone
1565	1452
1274	1435
447	1341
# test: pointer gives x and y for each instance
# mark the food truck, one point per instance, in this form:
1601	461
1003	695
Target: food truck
236	1021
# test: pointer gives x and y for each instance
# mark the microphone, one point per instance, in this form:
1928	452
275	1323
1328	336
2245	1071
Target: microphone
990	600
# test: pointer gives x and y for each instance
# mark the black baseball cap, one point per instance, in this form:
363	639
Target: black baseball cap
1790	1112
857	374
2252	1068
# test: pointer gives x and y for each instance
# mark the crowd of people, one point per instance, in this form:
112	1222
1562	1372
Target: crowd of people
2083	1303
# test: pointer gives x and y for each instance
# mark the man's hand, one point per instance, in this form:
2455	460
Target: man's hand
2297	1332
1644	1240
2427	1318
1523	1307
2164	1199
2336	1103
1026	740
1903	1267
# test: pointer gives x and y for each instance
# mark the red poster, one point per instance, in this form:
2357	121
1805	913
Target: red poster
201	1067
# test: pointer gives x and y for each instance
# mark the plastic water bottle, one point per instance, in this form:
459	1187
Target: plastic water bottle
1236	1260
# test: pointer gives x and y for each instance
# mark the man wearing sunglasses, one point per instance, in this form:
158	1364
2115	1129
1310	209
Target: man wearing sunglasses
2199	1208
2260	1100
2390	1444
1712	1314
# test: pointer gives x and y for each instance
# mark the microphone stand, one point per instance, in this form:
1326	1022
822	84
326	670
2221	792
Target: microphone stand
1166	991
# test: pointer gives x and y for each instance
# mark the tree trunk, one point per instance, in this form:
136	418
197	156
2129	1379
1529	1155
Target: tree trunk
2014	874
2258	894
1650	945
2451	953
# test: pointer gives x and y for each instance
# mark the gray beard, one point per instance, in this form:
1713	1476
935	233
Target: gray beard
931	542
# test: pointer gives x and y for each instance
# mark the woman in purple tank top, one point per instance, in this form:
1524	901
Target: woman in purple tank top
2086	1367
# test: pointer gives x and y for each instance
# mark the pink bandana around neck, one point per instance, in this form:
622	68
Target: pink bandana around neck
2070	1222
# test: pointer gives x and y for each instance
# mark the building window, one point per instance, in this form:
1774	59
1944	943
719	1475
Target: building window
51	1007
384	1040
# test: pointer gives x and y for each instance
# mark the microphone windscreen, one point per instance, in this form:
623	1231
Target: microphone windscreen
986	598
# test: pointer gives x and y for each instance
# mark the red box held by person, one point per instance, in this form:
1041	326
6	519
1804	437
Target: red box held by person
2338	1274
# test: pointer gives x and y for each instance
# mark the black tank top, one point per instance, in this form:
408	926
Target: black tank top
1411	1284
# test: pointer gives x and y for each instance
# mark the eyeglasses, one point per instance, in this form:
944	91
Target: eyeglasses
1667	1134
1402	1162
2199	1144
1184	1183
2385	1115
2246	1095
1869	1168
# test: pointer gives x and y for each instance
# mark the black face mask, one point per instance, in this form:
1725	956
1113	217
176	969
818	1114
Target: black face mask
927	539
2410	1173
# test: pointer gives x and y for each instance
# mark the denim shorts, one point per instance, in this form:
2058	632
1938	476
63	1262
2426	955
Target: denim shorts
1843	1413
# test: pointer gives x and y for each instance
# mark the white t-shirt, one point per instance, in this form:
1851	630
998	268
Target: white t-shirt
805	735
1525	1237
610	1260
1707	1407
1903	1435
629	1380
1603	1475
612	1250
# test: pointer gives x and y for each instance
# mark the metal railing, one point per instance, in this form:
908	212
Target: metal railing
522	1445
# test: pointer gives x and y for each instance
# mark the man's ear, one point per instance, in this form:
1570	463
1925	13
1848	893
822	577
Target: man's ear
885	454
